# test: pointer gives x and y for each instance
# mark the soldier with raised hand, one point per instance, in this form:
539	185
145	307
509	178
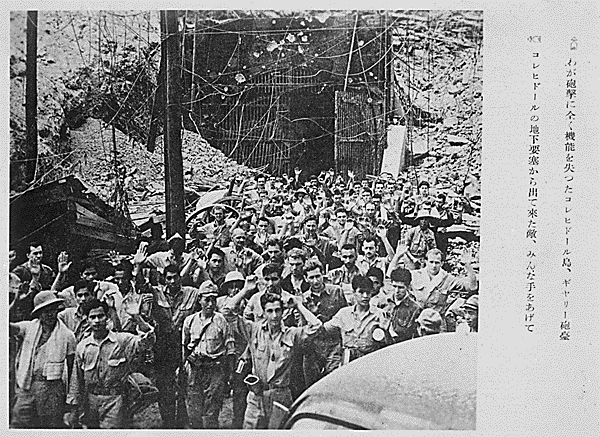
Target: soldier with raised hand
272	348
103	362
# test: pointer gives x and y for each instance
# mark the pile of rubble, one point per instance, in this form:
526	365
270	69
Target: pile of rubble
141	172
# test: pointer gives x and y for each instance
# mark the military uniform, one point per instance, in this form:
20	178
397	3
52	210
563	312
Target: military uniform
208	341
272	359
357	329
98	382
323	353
41	371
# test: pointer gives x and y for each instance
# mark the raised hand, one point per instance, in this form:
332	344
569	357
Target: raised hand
466	257
381	231
141	254
250	282
63	262
114	257
110	300
133	308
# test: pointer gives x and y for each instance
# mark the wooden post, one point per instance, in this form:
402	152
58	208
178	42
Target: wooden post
174	194
31	145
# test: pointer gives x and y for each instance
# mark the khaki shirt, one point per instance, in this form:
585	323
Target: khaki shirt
107	363
357	329
272	356
215	342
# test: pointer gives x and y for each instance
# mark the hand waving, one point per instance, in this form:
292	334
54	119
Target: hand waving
63	262
141	254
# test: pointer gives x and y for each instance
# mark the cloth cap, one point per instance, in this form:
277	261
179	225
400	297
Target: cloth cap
430	320
472	303
208	288
232	277
44	299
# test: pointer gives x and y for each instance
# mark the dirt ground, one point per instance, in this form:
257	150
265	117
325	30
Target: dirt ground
150	417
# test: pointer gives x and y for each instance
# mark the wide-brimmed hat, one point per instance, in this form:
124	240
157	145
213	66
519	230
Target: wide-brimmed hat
430	320
301	191
45	299
233	276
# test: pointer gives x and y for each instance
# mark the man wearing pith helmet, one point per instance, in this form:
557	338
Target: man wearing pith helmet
42	366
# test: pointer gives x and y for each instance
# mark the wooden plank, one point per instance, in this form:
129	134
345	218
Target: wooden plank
94	233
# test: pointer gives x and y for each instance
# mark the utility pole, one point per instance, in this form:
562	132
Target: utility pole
174	196
31	146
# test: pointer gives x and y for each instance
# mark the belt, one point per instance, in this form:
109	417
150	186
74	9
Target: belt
102	391
276	387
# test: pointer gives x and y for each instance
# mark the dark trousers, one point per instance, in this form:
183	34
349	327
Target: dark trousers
240	393
42	406
205	394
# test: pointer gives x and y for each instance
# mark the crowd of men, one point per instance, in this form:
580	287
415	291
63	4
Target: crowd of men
255	305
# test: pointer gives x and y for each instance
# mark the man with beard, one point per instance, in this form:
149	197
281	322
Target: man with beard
45	357
104	360
208	353
362	326
369	257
